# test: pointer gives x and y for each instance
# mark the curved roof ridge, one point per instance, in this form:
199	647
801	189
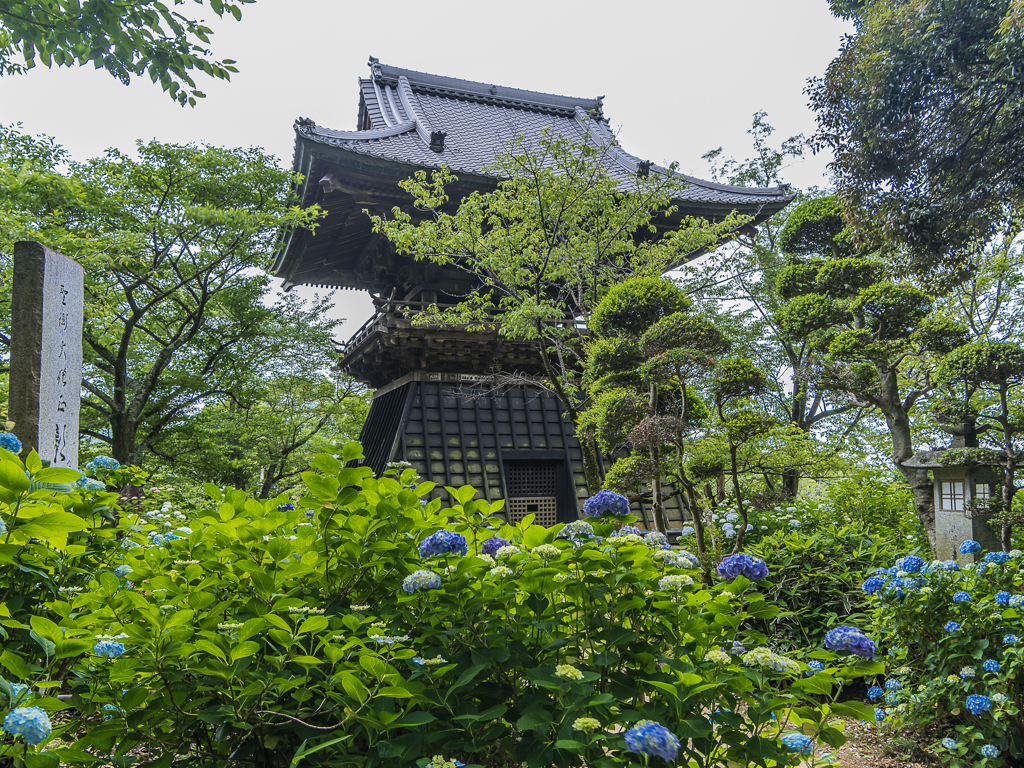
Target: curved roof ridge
412	109
312	130
487	92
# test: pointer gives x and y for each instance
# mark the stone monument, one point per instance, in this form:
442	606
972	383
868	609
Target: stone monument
46	352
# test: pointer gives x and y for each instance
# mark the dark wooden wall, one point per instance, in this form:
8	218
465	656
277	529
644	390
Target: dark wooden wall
464	434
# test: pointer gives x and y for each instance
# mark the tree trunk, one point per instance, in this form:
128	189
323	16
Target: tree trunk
657	505
122	439
790	482
898	421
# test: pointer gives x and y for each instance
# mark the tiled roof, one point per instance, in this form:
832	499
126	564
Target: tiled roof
404	113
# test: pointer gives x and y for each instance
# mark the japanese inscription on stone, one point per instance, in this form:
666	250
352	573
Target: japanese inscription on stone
46	352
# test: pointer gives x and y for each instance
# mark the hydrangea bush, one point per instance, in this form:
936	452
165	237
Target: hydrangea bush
382	630
951	632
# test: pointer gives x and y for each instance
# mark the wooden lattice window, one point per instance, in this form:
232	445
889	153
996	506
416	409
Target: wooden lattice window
531	478
531	491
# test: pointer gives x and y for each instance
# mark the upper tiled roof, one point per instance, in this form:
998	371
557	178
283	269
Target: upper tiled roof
403	114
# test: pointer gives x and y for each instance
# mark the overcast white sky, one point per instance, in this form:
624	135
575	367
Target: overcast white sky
679	78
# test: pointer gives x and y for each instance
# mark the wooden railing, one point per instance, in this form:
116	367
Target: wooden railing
388	315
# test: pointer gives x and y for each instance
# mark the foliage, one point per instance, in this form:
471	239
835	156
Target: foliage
264	442
270	635
546	246
171	242
982	395
952	632
755	278
819	569
137	37
921	107
632	307
815	227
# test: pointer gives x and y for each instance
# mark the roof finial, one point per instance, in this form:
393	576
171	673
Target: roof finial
599	110
437	140
643	168
375	72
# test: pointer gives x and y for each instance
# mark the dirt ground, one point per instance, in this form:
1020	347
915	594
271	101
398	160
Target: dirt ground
870	748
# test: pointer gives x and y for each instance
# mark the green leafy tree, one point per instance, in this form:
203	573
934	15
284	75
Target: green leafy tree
922	108
137	37
546	245
983	388
172	242
879	336
742	277
261	444
649	349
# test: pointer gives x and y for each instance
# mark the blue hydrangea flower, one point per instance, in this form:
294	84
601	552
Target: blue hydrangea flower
753	568
16	690
961	597
989	750
977	704
1017	601
688	531
815	666
88	484
910	564
879	714
798	742
991	665
606	503
873	584
969	547
578	531
635	530
952	627
892	684
106	462
111	710
846	638
951	565
421	579
949	743
3	527
30	723
122	571
444	542
492	545
1003	597
655	540
998	558
732	517
874	692
650	738
10	443
287	507
1010	639
110	649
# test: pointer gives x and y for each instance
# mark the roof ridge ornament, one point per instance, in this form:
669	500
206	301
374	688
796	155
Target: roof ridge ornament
437	140
643	168
375	72
599	109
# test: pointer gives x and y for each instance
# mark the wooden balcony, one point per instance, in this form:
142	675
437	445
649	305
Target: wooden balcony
390	345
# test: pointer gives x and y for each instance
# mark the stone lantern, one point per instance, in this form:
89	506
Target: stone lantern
962	492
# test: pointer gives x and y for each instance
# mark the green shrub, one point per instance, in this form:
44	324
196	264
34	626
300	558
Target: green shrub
817	579
952	633
262	634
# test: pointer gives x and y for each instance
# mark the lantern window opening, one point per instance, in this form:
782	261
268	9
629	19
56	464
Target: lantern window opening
951	495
